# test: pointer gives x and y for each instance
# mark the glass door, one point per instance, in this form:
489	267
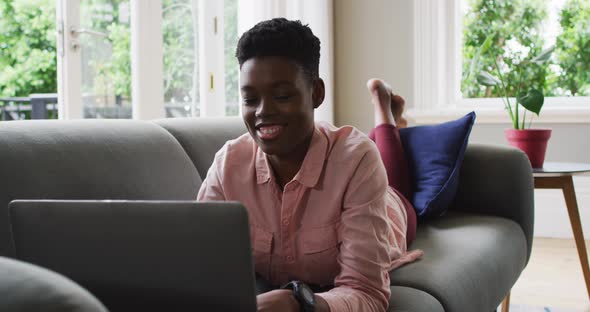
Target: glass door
94	60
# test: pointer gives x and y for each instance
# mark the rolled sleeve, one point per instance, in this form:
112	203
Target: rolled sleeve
365	253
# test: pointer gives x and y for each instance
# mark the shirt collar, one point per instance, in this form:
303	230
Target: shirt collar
311	168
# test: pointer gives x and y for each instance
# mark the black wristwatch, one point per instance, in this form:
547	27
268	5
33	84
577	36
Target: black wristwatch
303	294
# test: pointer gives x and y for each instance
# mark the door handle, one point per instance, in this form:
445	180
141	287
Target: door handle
75	32
78	31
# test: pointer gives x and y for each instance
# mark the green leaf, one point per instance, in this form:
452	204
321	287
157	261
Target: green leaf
485	46
544	55
532	101
487	79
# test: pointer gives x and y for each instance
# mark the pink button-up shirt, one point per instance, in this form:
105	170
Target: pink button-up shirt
336	223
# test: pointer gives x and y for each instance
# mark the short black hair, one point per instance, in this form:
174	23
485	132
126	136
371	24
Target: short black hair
284	38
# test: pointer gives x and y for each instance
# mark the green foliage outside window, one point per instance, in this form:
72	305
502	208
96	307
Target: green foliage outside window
180	56
28	62
120	63
231	63
573	49
109	63
517	25
514	23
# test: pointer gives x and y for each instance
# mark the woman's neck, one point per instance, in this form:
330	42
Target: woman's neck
285	167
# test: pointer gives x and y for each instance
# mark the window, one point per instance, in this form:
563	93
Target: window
450	32
181	66
106	68
102	43
522	30
191	67
27	55
230	40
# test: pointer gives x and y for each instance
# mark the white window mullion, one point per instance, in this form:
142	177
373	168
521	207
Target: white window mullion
147	63
69	60
433	47
211	58
455	52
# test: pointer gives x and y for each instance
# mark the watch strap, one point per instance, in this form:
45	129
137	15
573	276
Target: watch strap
298	289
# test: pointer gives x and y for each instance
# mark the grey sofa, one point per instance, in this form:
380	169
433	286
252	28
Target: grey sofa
473	254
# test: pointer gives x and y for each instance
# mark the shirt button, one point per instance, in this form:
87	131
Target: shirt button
285	222
289	187
289	258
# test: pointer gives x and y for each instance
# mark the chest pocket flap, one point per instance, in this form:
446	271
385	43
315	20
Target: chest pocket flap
320	239
261	251
261	240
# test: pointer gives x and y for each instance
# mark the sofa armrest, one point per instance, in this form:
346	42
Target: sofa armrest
28	287
498	180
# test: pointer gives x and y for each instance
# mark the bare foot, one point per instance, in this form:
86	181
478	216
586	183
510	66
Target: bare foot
397	107
381	98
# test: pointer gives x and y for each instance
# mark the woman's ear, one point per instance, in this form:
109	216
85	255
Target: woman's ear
319	92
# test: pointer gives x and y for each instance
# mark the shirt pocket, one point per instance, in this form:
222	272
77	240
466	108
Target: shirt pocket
262	243
320	248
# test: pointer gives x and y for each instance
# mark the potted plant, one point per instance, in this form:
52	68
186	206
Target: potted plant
532	141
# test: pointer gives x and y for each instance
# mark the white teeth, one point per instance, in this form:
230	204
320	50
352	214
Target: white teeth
268	130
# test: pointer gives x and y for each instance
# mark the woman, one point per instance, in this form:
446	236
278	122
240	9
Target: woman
322	215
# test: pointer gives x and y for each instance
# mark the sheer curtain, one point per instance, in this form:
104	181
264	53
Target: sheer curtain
319	15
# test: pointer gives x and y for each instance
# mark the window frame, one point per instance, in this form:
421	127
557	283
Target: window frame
437	68
211	66
147	76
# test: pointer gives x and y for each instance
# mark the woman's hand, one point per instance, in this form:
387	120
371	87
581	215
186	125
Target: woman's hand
280	300
283	300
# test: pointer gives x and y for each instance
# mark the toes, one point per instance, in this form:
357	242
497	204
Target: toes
397	109
401	123
398	100
373	84
378	84
397	104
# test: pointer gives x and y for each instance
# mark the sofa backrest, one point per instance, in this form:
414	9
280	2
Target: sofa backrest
90	159
201	138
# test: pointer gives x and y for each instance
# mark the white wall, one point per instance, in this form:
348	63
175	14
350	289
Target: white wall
374	38
365	47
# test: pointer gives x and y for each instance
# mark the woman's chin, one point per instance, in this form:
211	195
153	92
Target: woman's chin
269	148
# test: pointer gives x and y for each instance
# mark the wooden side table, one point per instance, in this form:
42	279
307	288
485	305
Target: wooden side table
558	175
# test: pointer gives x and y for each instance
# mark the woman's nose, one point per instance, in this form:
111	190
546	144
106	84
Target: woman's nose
266	107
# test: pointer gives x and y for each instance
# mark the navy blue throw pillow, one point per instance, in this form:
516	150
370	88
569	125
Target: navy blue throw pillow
435	154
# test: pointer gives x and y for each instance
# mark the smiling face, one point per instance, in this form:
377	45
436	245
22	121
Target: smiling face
278	104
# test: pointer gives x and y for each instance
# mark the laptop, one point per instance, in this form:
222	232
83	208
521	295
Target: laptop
143	255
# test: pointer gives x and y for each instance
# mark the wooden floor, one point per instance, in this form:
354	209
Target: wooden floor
553	278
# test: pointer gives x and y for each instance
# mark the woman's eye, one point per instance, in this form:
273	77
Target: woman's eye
250	101
283	97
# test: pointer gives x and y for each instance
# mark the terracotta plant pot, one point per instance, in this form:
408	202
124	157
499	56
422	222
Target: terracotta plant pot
533	142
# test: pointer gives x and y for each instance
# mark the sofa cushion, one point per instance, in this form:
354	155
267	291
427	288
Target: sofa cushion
406	299
27	287
470	261
201	138
90	159
434	155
